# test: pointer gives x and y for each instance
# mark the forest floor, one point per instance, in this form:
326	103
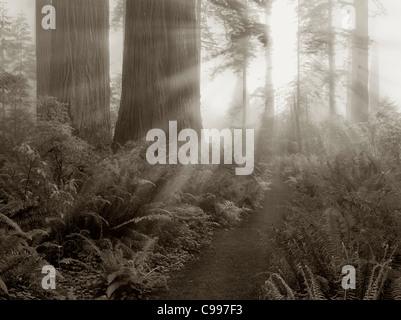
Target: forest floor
234	266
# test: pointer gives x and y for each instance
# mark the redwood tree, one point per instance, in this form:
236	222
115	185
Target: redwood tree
160	68
358	104
80	65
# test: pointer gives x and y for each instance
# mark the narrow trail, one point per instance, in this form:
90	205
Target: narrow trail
232	267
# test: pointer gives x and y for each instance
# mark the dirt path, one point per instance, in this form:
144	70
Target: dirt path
230	269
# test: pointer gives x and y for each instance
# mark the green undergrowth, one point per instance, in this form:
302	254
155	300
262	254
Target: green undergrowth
113	226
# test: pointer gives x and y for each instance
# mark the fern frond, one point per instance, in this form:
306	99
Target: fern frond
116	286
313	286
154	217
335	226
272	291
125	272
376	283
37	232
396	289
12	244
277	289
68	261
145	182
3	287
91	244
10	223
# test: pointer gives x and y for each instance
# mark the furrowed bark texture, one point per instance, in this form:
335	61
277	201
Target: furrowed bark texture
80	65
160	68
43	51
358	110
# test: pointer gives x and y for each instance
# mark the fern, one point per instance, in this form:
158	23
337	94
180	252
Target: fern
68	261
11	243
376	282
276	288
313	286
396	289
154	217
3	287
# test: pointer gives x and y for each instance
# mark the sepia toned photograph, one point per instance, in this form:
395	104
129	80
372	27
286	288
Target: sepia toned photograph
170	151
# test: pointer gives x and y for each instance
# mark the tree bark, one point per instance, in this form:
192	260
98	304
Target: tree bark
80	66
161	74
43	52
182	77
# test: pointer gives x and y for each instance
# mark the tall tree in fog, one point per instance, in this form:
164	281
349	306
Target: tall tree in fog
80	65
6	23
317	43
5	31
22	48
160	68
358	92
242	35
118	15
245	56
269	88
374	80
43	51
315	83
331	55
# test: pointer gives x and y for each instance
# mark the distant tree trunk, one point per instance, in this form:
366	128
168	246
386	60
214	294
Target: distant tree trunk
244	94
265	138
161	80
269	88
2	64
332	66
374	82
295	123
297	101
80	66
358	106
199	38
43	52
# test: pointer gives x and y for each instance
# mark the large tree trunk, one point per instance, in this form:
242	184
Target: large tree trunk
43	51
143	98
182	76
161	80
80	66
358	92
